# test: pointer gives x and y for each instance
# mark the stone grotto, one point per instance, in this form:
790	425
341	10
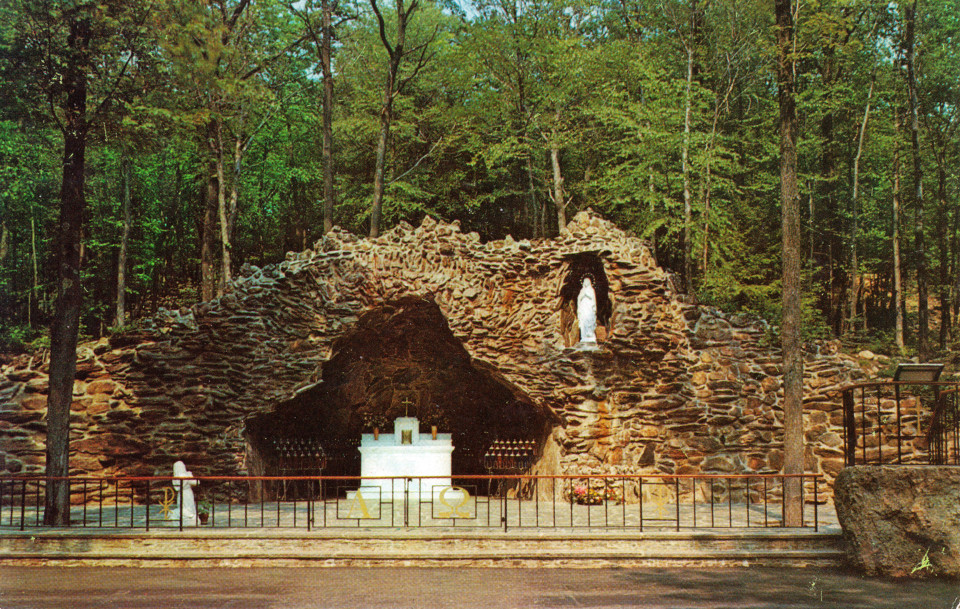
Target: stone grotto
481	339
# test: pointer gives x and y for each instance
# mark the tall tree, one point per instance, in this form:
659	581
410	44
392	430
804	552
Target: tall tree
898	295
690	40
83	54
223	53
323	34
65	327
393	86
515	50
855	281
125	178
327	7
919	239
208	233
941	122
790	203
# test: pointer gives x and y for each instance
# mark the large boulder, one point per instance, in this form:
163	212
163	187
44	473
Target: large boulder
901	521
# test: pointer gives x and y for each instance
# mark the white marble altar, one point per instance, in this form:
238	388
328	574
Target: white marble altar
392	458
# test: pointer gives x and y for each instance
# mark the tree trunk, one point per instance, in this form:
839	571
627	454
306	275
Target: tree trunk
708	178
124	241
855	213
326	46
208	262
705	250
897	269
34	293
238	151
386	117
558	194
955	273
830	226
533	207
923	323
65	326
790	328
395	53
685	170
223	217
811	208
544	212
864	292
942	223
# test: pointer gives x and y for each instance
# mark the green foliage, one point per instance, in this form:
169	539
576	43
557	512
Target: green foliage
15	338
605	84
924	564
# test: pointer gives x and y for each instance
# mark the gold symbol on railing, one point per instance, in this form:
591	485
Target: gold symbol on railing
169	496
661	502
658	495
358	502
455	511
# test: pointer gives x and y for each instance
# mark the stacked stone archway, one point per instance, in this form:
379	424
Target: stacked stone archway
401	359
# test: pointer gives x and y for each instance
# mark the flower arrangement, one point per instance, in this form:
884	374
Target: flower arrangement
373	419
433	416
584	495
613	495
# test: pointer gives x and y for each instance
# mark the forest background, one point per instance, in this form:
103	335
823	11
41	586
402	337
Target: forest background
218	133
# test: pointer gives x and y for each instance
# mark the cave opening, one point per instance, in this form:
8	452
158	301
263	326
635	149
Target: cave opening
399	359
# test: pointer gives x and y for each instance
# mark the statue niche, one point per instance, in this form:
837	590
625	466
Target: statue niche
585	302
587	312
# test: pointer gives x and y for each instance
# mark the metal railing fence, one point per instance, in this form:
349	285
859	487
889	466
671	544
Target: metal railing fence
943	439
637	502
899	422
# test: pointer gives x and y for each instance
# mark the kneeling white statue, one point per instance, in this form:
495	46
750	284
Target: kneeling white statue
183	499
587	312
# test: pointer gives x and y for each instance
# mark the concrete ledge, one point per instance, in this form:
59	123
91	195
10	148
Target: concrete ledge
421	548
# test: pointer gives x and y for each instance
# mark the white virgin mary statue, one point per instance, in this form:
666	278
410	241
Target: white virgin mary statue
587	312
184	499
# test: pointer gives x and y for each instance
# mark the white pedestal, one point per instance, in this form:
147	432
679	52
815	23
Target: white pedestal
389	462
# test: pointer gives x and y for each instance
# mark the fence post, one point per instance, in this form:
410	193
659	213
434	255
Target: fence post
676	486
849	427
783	501
900	425
309	505
503	507
640	495
148	507
23	502
816	519
179	504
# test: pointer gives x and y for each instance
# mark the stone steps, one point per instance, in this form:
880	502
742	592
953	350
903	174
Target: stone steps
417	547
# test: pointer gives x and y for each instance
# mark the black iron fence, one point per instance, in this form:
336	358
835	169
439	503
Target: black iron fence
900	422
484	502
943	439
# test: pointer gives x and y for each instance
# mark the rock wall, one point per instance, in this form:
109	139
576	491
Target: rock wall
673	388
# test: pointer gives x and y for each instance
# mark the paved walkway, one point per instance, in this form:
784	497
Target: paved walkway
95	588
